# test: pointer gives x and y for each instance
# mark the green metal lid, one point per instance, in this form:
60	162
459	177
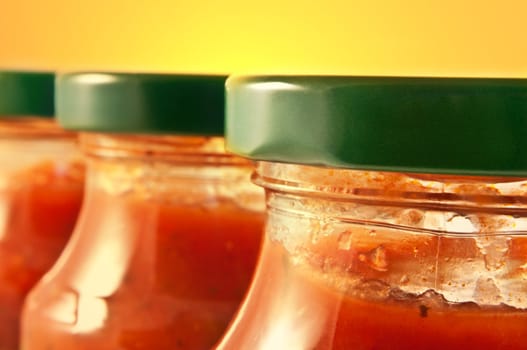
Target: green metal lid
141	103
26	94
466	126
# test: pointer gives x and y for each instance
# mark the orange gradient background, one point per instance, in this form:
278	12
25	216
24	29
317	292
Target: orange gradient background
383	37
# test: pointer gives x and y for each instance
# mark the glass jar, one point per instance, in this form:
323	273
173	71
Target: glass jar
168	236
41	187
412	242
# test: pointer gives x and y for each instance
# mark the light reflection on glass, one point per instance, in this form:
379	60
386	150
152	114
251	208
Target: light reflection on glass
4	213
101	272
291	329
91	314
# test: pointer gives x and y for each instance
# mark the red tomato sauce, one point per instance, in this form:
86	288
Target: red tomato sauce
38	210
295	307
154	274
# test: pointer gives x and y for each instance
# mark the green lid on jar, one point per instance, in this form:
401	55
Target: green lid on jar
26	94
141	103
470	126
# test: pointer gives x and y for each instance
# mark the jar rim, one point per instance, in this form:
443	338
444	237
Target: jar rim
495	194
204	150
32	127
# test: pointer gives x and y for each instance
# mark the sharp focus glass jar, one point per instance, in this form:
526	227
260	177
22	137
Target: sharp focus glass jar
170	230
396	220
41	187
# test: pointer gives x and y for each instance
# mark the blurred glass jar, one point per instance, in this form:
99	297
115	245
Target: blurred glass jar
169	233
396	220
41	187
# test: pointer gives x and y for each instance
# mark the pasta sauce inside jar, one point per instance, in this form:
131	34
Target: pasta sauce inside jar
41	187
169	232
396	221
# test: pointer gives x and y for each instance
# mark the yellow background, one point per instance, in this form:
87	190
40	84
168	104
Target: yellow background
394	37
